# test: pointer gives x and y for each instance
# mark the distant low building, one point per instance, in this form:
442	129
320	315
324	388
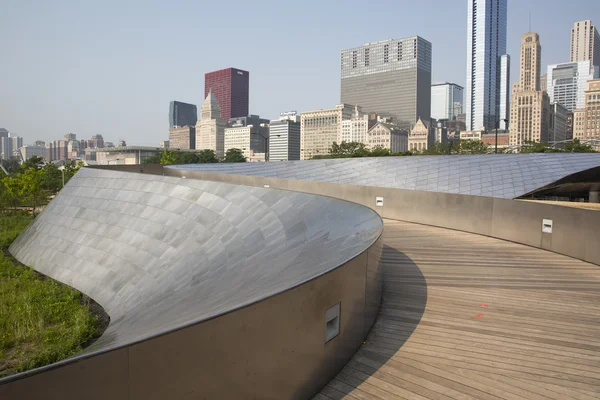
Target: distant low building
164	144
182	137
490	139
96	141
28	151
387	136
129	155
421	137
249	139
355	129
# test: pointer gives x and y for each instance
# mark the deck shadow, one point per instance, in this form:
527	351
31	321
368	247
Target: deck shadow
403	303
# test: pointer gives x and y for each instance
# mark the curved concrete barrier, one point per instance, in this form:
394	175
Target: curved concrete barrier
214	290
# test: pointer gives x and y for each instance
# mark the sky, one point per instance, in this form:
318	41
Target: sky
112	67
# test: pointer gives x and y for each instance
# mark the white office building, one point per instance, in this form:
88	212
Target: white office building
284	137
585	42
504	105
355	129
249	139
210	129
566	83
446	100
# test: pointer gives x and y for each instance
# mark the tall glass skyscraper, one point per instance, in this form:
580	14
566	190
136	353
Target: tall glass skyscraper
182	114
486	43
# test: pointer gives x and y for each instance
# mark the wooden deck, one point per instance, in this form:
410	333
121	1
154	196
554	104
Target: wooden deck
470	317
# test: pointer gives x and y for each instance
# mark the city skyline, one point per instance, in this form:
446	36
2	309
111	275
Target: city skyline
67	100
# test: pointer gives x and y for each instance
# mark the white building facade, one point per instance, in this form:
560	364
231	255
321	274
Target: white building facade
320	128
249	139
387	136
585	42
446	100
355	129
566	83
210	129
284	137
504	106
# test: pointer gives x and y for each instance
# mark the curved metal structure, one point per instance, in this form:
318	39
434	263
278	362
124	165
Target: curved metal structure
219	290
161	254
505	176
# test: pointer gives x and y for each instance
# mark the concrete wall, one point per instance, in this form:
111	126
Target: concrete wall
575	231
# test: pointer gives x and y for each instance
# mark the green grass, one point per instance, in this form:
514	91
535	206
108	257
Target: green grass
41	320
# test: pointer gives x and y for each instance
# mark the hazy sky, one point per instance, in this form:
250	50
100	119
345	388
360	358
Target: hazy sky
111	67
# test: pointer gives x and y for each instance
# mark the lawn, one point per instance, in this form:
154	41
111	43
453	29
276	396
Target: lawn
41	320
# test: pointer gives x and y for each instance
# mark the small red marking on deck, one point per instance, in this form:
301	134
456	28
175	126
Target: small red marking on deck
479	315
483	305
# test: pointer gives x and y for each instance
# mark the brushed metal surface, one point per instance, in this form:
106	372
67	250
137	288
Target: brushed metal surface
504	176
159	252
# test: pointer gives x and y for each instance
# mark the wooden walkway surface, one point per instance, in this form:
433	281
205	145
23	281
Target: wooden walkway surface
470	317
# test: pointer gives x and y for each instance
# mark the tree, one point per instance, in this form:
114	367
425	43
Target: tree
12	189
471	147
234	155
30	187
11	166
538	147
154	159
438	149
207	157
379	151
52	178
168	158
35	162
576	147
71	169
348	149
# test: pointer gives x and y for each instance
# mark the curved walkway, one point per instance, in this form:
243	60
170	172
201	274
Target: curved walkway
470	317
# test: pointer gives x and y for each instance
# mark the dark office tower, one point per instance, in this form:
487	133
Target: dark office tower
182	114
231	87
391	78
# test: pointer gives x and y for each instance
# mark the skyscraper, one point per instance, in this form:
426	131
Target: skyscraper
391	78
504	105
284	137
210	129
566	83
530	107
585	42
444	99
486	43
231	88
182	114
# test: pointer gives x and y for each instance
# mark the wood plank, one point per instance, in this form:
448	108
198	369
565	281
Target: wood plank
538	336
